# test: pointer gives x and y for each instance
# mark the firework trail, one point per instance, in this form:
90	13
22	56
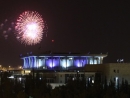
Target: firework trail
6	28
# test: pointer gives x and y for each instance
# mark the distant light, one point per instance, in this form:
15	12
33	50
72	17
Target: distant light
20	67
89	79
52	40
73	79
11	77
92	81
70	58
20	78
40	78
27	71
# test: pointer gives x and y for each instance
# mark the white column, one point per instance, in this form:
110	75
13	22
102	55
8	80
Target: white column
35	61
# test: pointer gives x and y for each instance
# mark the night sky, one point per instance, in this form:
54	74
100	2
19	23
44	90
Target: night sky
74	25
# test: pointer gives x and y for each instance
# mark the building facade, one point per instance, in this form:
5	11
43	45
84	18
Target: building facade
115	72
62	61
58	68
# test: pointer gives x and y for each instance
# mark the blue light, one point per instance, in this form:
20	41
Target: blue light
59	62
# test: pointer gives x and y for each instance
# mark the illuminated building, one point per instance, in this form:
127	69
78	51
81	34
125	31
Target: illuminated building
60	61
58	68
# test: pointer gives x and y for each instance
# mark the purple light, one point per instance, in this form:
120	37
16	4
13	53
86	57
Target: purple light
54	62
79	62
51	63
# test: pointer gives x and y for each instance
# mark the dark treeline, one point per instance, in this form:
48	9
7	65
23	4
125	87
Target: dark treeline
36	88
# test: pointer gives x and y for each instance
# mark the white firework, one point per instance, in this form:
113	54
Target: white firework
29	28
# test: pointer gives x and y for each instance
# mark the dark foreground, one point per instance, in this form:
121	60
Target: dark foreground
35	88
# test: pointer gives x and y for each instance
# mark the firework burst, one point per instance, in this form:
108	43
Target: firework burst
29	28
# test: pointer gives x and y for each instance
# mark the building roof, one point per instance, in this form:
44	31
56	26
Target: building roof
59	54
